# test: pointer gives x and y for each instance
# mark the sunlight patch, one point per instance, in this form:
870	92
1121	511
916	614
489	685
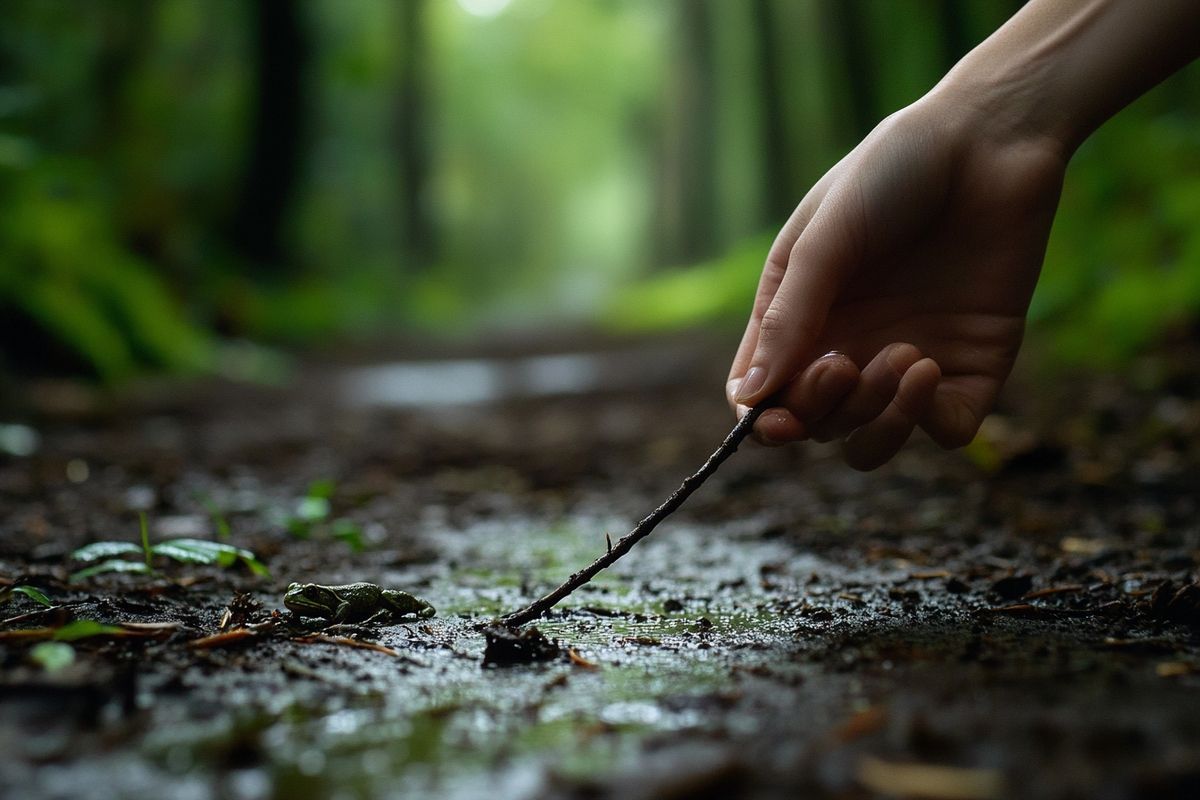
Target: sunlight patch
484	8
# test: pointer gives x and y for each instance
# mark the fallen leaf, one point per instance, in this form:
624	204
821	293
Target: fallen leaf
862	724
1173	669
929	780
579	660
928	575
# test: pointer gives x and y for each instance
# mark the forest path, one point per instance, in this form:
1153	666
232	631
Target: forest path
935	627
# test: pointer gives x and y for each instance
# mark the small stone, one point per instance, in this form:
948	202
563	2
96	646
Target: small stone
509	646
957	586
1013	586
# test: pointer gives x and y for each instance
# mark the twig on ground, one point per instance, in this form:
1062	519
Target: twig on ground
543	604
236	636
346	641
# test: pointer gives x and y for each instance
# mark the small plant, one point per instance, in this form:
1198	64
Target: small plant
52	656
312	514
186	551
218	519
83	629
33	594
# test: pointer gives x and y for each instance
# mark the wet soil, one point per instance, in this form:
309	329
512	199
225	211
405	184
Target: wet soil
1014	620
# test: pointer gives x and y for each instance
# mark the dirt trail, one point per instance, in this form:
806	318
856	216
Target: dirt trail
1012	621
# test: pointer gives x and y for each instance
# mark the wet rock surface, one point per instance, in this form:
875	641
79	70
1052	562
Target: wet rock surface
1019	619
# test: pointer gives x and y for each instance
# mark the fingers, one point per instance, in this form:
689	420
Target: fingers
772	277
958	409
810	397
875	411
792	322
875	390
874	444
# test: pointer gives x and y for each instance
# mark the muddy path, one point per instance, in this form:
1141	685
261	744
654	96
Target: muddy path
1016	620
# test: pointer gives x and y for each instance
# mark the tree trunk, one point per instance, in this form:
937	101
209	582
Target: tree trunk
277	122
956	39
778	175
412	124
688	188
845	21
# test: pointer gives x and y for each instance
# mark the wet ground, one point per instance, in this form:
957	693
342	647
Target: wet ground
1016	620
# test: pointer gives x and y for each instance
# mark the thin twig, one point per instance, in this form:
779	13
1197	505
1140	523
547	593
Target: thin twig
543	604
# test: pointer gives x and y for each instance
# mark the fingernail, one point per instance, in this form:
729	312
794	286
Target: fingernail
834	354
751	384
731	387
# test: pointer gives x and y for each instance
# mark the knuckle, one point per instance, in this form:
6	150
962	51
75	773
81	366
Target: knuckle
774	321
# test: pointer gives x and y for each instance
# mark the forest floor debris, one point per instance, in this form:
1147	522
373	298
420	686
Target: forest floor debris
944	625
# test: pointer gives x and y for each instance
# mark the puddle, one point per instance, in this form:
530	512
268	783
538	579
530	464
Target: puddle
331	721
471	382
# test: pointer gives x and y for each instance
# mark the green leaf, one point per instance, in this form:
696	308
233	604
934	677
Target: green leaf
33	594
82	629
347	530
52	656
202	551
97	550
184	554
115	565
146	551
256	567
321	490
312	509
218	519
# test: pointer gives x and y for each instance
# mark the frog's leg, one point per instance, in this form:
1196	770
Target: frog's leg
339	614
407	607
384	616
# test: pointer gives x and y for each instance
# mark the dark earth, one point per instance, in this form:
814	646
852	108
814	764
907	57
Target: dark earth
1018	619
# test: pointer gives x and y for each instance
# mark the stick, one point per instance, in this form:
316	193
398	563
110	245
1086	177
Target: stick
543	604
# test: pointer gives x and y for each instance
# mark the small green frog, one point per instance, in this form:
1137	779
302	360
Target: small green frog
355	602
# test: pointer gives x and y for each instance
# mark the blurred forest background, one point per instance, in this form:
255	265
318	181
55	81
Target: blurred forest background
178	177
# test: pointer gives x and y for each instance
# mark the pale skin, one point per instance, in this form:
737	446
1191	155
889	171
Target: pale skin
895	296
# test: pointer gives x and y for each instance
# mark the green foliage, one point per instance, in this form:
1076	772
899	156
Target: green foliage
202	551
98	550
184	551
112	565
719	291
348	532
65	270
557	158
52	656
312	516
31	592
1123	264
220	524
84	629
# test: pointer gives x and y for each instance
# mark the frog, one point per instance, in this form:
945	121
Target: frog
355	602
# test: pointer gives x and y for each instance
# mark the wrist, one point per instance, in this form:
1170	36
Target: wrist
1059	69
1011	98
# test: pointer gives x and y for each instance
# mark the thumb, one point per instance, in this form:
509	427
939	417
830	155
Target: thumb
792	325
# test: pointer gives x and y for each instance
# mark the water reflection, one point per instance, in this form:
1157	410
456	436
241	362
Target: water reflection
463	382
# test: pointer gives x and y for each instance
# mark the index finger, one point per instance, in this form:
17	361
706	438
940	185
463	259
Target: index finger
772	276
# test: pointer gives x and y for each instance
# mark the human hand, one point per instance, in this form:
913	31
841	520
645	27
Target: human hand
911	263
